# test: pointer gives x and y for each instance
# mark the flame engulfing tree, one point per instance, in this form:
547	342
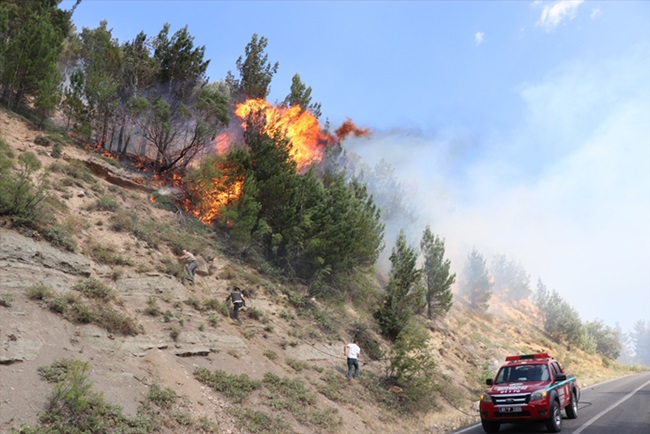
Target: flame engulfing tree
475	283
437	278
313	228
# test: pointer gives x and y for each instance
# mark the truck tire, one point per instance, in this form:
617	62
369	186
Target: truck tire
572	408
554	423
490	427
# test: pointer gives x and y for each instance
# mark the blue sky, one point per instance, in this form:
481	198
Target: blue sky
520	128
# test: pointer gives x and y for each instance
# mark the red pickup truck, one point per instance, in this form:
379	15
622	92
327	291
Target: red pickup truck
529	388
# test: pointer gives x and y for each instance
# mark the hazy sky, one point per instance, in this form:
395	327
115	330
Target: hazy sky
520	128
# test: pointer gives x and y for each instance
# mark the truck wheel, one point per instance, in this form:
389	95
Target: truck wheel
490	427
554	423
572	408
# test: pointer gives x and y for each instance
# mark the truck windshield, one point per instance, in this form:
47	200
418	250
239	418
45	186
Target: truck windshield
522	373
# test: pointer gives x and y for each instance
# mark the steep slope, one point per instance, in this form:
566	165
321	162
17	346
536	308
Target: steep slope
150	331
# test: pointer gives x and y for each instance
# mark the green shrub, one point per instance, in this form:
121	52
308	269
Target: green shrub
367	341
270	354
234	387
152	308
39	291
60	236
110	161
22	189
104	203
81	313
106	254
115	322
162	397
255	313
75	408
193	302
297	365
6	300
57	371
217	305
260	422
57	304
164	201
412	367
57	151
93	288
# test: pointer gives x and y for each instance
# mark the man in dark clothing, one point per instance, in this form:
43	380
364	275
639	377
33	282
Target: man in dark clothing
238	301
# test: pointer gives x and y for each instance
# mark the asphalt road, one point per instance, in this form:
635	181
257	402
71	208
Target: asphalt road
619	406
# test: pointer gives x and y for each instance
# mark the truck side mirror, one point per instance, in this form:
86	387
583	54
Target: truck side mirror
559	377
489	381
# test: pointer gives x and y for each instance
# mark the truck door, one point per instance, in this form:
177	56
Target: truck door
563	392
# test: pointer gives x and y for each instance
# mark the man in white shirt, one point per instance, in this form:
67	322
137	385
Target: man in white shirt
351	351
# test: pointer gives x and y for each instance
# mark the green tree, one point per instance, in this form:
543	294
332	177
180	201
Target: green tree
300	95
510	279
412	366
561	320
31	37
339	226
475	282
255	70
641	340
22	186
541	297
48	94
138	73
437	278
100	59
404	292
607	339
183	118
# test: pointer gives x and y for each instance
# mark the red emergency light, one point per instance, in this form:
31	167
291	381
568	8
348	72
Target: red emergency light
529	357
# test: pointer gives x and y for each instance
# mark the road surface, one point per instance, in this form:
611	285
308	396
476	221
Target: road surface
619	406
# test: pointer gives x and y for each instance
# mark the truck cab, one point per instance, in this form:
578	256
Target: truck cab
529	388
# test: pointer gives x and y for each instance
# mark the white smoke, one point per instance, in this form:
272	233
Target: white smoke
565	192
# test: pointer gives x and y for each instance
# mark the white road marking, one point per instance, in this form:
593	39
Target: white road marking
613	406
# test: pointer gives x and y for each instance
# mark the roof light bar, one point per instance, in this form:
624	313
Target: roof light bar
529	357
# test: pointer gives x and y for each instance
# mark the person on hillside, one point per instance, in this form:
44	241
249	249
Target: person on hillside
191	264
352	351
238	300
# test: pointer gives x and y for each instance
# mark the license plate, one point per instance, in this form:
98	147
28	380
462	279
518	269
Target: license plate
509	409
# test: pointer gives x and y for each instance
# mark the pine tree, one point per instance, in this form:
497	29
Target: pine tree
255	70
475	282
301	95
404	291
437	278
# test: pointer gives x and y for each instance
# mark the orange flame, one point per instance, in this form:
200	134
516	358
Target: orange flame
214	197
298	125
348	128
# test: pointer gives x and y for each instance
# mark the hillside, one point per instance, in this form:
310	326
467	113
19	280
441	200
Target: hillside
116	299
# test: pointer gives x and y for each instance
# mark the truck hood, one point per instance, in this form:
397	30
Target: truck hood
507	388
